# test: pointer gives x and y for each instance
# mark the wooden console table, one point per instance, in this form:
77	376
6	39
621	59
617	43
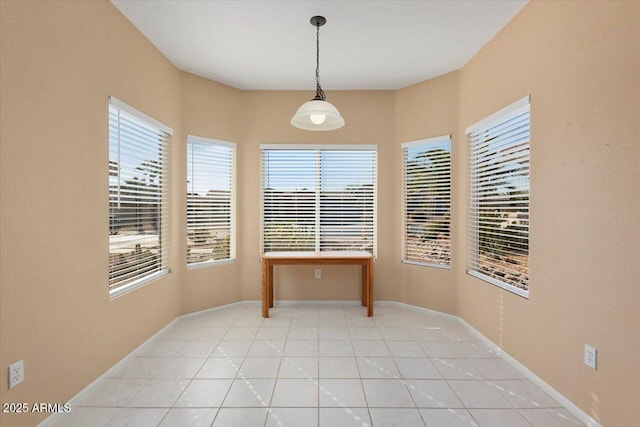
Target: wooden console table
362	258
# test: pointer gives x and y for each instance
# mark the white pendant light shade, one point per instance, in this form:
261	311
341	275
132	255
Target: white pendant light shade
317	115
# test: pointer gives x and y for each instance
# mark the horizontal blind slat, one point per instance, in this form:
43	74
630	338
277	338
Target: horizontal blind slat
318	199
427	201
138	198
499	199
210	200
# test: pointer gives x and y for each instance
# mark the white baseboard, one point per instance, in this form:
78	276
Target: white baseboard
421	309
566	403
289	303
214	309
75	400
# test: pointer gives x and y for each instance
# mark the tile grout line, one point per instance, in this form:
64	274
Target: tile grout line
246	322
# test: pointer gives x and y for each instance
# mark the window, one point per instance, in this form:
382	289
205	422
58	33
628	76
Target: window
499	205
210	201
318	198
427	202
138	198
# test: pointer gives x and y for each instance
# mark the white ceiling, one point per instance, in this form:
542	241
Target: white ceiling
364	45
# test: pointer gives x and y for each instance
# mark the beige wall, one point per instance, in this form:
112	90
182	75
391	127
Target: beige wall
369	117
60	62
580	63
210	110
251	118
427	110
578	60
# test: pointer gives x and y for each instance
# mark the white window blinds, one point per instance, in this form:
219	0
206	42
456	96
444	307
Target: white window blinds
427	202
210	200
499	203
318	198
138	198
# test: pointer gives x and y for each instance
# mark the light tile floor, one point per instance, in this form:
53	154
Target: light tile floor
317	365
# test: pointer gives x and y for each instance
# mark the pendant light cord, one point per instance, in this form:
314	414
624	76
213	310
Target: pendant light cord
319	92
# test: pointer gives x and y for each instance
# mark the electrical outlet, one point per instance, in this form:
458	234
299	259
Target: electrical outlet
590	356
318	273
16	373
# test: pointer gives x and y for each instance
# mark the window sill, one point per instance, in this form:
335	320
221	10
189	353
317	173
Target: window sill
498	283
121	290
198	265
427	264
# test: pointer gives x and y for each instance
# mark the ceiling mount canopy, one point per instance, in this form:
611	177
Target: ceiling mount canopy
317	114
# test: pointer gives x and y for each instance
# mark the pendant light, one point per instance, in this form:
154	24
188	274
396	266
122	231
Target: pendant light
317	114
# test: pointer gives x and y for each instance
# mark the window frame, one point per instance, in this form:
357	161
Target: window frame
318	148
165	133
434	142
232	209
501	117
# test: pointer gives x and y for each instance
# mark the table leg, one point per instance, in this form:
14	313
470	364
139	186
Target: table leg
265	288
365	280
370	288
270	273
